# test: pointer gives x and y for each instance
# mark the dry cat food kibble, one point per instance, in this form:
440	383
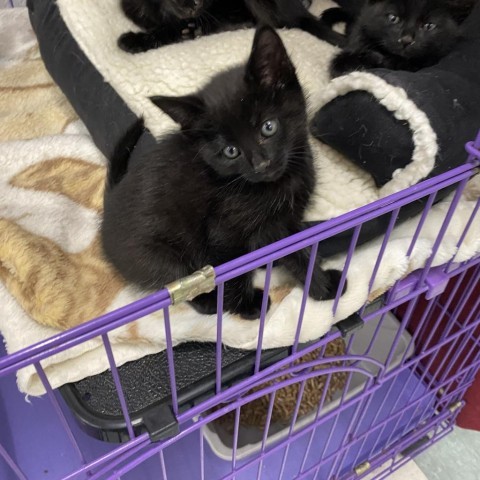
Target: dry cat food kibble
255	413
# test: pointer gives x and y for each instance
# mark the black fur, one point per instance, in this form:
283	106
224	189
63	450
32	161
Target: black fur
123	151
186	204
170	21
400	34
335	15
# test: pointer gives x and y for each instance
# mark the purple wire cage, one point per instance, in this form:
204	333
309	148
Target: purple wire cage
407	365
404	378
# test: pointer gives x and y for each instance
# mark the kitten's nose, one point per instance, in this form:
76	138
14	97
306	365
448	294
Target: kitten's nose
406	40
261	166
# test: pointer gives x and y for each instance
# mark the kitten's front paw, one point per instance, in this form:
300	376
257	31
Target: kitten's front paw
325	284
206	304
136	42
190	32
334	277
252	308
376	59
342	64
307	4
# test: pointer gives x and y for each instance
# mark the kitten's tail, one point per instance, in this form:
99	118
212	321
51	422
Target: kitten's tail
118	162
333	16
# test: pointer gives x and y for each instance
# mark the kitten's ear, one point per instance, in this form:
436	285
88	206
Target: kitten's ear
460	10
182	110
269	65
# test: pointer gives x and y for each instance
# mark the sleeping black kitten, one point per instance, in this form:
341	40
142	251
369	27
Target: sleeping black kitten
237	177
399	35
170	21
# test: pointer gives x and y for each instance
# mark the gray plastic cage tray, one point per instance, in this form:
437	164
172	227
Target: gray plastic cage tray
250	438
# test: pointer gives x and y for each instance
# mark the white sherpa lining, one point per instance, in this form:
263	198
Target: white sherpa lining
396	101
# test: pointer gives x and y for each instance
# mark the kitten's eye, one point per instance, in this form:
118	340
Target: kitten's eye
429	26
392	18
270	128
231	152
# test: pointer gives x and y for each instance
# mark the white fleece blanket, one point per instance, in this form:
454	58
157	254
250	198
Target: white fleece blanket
51	271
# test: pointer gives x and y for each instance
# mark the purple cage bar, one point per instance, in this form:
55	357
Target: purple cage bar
401	406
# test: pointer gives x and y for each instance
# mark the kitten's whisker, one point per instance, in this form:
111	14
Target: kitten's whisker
210	15
202	25
240	182
300	149
300	160
298	152
199	152
298	156
189	130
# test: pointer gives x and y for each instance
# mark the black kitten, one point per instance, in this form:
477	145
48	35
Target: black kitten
237	177
400	35
170	21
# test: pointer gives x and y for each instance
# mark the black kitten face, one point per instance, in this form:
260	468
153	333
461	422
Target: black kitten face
247	123
184	9
251	140
410	28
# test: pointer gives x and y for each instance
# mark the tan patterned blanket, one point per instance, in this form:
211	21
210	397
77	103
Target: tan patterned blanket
52	274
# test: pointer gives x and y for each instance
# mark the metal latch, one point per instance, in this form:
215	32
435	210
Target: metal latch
362	468
187	288
455	406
